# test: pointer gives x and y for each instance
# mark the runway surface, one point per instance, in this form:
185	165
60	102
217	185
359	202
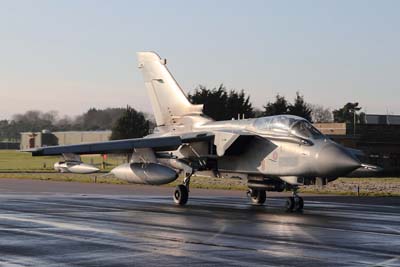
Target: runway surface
72	224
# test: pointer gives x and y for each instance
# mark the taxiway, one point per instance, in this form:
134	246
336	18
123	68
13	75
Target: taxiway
72	224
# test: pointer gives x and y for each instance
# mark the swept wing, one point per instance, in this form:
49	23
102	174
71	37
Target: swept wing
117	146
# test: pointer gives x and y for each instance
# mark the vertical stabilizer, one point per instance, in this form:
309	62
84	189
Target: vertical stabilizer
168	100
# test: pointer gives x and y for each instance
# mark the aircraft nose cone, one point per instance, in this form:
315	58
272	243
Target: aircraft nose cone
335	161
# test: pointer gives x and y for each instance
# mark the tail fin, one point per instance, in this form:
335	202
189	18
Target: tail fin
168	100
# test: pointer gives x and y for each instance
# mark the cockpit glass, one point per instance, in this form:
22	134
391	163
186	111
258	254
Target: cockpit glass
306	130
275	124
287	125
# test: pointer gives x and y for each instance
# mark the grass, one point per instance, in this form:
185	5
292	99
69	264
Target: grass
385	186
13	160
19	165
352	193
197	182
64	177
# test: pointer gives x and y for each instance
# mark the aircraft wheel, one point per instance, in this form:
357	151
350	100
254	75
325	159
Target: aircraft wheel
181	195
300	204
258	197
289	205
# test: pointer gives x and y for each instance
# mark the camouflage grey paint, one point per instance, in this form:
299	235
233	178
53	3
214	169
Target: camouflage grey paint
145	173
75	167
287	147
276	154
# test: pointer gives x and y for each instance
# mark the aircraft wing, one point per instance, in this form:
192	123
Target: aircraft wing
226	142
117	146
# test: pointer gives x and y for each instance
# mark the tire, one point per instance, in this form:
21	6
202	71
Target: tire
300	204
289	205
258	197
181	195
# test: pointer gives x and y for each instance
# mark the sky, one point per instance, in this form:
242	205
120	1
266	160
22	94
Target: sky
72	55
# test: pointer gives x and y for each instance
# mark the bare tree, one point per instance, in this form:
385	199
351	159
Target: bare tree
321	114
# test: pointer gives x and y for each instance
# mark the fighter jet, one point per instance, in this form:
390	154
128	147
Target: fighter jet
272	153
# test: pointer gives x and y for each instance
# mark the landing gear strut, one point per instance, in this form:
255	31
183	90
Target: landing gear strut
181	193
257	196
295	202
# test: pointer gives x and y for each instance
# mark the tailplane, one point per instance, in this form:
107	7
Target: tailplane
168	100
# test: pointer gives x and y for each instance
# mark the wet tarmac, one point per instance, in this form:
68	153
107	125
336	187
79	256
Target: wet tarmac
72	224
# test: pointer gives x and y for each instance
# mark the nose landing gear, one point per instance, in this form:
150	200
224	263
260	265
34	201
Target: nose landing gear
294	203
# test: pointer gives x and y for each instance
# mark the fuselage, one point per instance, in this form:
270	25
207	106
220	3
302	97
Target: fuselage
284	146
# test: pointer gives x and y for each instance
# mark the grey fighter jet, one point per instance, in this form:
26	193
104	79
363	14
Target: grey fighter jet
271	153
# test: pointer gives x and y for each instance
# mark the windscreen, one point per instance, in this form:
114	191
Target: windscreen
275	124
306	130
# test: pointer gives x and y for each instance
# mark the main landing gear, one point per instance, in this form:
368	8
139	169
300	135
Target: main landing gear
257	196
181	193
295	202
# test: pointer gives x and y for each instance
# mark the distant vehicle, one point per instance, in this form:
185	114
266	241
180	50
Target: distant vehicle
272	153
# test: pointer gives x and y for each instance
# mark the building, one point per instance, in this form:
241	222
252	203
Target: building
9	145
47	138
331	128
382	119
378	139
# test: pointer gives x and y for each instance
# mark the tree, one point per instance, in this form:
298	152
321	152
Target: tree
258	112
132	124
214	101
319	114
98	119
347	113
220	104
300	108
238	103
3	130
35	121
280	106
65	124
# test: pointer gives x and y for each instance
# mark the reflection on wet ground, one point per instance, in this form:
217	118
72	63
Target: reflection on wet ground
56	229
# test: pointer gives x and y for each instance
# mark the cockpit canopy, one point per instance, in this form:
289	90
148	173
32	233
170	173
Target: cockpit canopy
287	125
